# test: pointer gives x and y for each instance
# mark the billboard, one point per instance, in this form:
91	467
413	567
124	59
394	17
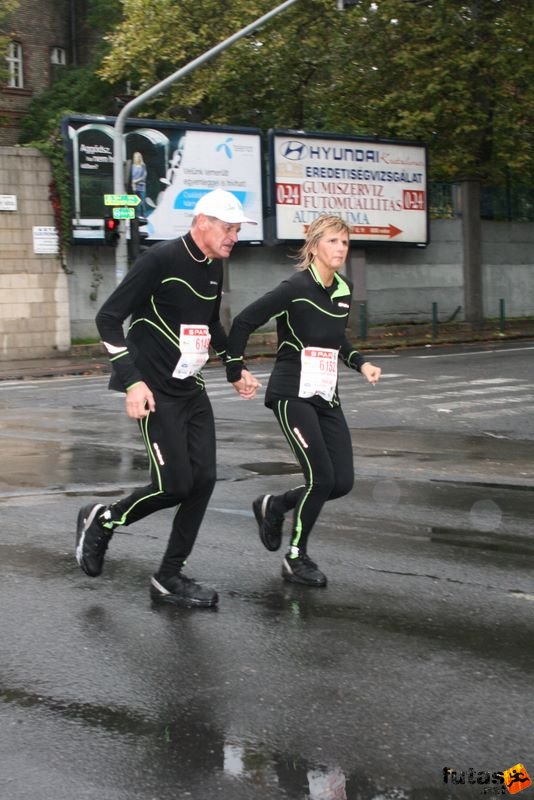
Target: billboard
378	187
168	165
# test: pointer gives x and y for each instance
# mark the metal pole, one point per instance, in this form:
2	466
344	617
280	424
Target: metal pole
363	321
472	257
434	320
502	315
118	138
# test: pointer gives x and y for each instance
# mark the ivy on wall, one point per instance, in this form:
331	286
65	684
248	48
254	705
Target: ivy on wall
59	191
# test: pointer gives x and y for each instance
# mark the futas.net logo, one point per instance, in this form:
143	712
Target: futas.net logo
508	781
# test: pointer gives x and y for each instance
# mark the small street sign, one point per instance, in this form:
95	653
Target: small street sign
121	200
123	213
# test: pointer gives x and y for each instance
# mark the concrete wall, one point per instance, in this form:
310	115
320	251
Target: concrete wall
402	283
34	293
91	281
508	268
398	284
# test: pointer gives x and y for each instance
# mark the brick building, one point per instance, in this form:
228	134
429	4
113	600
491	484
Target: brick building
44	38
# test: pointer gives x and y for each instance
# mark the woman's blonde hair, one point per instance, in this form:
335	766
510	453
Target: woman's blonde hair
314	233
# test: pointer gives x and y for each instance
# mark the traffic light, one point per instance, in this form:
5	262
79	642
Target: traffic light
136	242
111	230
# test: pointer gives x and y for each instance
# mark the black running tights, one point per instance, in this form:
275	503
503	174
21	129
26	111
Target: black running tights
321	441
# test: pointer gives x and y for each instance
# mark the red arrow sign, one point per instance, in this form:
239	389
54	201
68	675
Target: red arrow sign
376	230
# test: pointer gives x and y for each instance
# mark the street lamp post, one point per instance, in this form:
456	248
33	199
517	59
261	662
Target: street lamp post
118	137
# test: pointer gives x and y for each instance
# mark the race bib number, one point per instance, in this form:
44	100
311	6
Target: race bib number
318	372
194	344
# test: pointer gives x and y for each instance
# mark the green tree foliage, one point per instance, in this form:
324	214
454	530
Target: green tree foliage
456	75
459	76
78	89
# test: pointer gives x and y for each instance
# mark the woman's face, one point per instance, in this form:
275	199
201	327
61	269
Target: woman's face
331	250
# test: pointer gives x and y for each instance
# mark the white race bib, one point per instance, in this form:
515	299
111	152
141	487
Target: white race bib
318	372
194	344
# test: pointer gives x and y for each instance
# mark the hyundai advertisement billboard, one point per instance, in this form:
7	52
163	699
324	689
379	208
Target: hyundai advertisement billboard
378	187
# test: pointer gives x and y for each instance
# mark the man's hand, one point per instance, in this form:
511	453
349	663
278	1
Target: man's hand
139	401
247	385
370	372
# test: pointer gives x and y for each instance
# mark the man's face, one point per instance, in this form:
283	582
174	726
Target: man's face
215	237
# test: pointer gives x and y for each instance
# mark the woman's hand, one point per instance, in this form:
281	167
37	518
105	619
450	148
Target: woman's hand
247	385
371	372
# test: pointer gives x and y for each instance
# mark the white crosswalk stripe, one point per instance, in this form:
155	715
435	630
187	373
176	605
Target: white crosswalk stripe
401	394
397	393
480	397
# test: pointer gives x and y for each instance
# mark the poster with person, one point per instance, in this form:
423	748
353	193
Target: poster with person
170	166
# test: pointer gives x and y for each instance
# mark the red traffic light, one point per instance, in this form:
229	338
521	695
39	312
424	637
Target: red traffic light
111	231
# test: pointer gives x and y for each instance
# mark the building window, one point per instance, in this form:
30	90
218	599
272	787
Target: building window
58	55
14	64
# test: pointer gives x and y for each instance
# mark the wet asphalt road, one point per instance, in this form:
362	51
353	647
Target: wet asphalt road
417	657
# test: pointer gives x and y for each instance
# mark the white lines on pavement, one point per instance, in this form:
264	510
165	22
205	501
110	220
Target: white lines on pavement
502	351
494	380
490	401
68	381
481	397
502	412
398	378
483	392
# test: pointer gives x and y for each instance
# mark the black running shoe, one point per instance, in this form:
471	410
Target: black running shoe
179	590
302	570
269	524
92	540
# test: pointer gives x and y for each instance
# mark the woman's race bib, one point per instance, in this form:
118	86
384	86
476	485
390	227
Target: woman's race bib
318	372
194	344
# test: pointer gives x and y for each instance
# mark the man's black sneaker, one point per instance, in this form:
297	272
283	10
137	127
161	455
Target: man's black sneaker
302	570
179	590
269	524
92	540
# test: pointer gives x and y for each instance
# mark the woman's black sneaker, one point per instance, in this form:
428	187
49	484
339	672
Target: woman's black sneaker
269	523
179	590
92	540
302	570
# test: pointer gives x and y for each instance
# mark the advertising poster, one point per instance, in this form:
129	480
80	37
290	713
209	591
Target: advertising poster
169	166
378	187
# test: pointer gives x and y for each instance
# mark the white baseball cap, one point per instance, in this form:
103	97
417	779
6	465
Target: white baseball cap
224	206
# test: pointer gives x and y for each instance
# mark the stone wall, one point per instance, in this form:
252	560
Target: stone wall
34	294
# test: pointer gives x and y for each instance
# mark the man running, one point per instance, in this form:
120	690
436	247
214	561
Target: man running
172	295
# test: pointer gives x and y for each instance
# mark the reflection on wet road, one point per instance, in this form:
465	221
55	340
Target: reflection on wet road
408	678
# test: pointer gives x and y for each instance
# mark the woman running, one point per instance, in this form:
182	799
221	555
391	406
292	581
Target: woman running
311	310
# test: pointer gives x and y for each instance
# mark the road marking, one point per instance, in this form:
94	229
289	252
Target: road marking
490	401
504	350
484	392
